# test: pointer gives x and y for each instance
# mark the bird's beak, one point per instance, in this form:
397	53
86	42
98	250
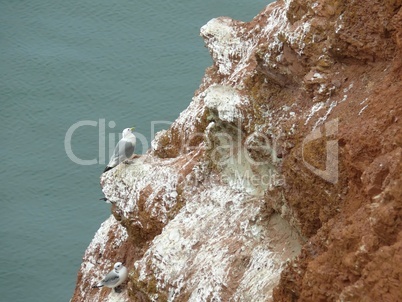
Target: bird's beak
132	129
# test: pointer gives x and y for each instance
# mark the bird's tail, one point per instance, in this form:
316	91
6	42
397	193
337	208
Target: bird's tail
107	169
96	286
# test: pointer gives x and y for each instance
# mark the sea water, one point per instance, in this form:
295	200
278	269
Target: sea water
74	74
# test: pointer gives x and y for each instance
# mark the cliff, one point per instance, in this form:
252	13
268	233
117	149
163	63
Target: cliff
282	179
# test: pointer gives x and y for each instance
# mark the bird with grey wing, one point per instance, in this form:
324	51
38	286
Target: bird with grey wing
114	278
123	150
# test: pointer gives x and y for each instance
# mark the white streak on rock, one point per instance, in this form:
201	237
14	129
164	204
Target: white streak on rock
316	107
223	99
361	110
324	118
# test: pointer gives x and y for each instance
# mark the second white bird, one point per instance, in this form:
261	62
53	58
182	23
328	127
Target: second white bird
115	277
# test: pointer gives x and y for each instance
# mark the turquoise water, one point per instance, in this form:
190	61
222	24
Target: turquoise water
112	63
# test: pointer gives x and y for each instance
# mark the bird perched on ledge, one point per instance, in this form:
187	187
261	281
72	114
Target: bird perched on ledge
123	150
114	278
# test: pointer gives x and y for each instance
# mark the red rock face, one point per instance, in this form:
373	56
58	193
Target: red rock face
282	179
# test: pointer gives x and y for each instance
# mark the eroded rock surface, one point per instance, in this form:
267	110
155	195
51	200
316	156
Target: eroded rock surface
282	179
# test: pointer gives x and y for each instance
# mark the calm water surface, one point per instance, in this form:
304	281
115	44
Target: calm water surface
119	63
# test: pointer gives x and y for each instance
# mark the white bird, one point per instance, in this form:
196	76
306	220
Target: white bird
123	150
115	277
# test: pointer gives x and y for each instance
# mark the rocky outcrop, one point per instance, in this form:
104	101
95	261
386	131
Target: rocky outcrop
282	179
